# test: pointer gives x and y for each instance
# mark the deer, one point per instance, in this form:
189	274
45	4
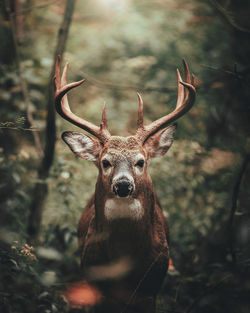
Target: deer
123	225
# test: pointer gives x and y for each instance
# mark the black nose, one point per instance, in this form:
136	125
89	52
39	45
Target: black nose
123	188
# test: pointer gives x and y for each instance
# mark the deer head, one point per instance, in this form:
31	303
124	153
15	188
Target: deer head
122	161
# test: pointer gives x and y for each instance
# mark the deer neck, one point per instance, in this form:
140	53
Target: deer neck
137	209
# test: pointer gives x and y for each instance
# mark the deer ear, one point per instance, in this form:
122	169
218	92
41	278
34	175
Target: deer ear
158	144
82	145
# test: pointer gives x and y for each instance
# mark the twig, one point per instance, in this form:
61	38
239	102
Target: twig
19	128
17	125
132	296
22	81
235	196
234	73
229	17
100	83
206	292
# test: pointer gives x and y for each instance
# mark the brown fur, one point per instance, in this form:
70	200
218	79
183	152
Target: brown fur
143	243
134	231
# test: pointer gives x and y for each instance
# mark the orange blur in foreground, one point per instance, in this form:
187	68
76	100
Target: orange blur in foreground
171	265
80	294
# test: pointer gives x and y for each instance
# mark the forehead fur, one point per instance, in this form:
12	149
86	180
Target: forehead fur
123	145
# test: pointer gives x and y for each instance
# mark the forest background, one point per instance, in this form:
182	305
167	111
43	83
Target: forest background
121	47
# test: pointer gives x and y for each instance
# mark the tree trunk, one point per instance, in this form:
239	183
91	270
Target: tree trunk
41	187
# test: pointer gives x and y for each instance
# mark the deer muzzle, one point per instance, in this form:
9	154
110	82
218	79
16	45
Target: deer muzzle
123	188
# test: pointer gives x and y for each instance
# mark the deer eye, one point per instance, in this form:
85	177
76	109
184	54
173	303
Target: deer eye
106	164
140	163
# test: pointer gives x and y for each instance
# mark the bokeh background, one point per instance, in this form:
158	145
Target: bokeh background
121	47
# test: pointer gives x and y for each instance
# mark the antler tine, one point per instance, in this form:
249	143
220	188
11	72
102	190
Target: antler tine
181	91
187	77
104	123
140	124
64	74
187	72
185	100
63	82
63	108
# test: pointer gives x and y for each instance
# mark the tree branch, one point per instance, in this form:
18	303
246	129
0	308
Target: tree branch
229	17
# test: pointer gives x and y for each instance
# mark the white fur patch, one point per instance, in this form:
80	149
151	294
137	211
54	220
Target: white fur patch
138	157
107	157
123	208
122	174
107	171
139	170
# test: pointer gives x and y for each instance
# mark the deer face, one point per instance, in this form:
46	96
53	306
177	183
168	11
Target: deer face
122	161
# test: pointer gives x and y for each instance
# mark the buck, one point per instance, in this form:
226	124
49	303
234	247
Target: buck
123	223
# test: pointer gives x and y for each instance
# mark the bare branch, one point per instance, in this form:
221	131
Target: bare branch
101	84
19	128
17	125
229	17
207	291
234	72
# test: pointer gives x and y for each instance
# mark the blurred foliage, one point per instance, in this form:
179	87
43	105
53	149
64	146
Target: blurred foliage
121	47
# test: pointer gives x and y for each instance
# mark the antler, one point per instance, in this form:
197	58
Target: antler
63	108
185	101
